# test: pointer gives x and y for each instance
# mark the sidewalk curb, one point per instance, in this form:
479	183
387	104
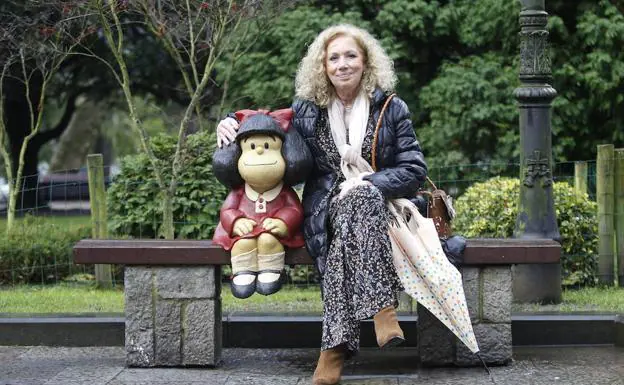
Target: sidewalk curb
290	331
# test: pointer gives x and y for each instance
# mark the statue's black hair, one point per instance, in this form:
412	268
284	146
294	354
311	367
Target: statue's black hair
294	150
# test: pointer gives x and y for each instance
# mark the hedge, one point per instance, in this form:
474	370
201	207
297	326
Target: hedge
38	251
134	197
490	209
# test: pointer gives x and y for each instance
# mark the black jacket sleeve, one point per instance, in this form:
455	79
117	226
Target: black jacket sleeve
409	170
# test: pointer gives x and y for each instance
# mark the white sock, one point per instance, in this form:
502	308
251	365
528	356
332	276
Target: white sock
268	277
245	262
243	279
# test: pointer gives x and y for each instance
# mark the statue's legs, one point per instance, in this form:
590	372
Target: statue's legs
244	267
270	264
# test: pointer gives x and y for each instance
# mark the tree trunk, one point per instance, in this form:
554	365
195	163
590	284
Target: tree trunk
167	228
18	126
79	139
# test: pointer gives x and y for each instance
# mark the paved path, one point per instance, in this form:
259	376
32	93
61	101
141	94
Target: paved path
105	366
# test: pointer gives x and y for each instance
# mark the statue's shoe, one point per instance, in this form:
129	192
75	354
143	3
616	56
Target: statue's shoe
268	288
243	291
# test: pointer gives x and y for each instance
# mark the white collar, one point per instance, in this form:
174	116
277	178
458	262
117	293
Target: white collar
268	195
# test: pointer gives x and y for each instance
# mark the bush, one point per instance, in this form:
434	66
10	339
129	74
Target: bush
37	251
134	196
489	209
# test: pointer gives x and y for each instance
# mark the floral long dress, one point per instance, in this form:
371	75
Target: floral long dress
360	278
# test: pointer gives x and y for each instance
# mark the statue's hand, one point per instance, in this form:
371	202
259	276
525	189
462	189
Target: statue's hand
275	226
243	226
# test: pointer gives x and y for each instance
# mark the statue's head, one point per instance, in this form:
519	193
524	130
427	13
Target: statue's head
261	164
267	151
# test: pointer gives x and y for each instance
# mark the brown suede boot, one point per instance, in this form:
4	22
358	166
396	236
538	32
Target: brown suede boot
387	329
329	367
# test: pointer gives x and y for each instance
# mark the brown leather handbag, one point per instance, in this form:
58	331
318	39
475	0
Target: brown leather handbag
440	209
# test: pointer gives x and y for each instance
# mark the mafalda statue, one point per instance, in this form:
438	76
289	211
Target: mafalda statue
262	213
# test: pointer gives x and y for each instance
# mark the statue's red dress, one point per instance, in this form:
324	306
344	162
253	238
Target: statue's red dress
280	203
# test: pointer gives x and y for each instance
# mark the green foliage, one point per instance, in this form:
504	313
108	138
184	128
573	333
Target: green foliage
134	198
38	251
302	274
483	130
489	209
588	72
157	117
457	64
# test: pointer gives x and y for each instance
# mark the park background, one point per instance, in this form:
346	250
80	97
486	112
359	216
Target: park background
126	80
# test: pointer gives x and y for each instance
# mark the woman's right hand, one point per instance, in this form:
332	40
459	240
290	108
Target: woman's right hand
226	131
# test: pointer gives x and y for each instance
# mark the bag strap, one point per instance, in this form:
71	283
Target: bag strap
375	137
431	183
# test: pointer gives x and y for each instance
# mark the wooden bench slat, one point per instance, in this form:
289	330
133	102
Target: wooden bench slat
484	251
192	252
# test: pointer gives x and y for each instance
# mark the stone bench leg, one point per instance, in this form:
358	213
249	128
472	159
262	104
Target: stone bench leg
489	295
173	316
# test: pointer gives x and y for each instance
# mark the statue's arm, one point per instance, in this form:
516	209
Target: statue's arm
292	212
230	211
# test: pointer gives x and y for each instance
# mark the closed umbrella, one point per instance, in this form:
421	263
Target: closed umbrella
425	272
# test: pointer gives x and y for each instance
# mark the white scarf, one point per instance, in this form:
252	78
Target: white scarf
352	165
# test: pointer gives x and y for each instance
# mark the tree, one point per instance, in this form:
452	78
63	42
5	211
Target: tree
35	41
153	72
457	63
194	34
264	74
588	73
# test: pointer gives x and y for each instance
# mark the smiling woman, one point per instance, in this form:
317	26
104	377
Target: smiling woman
344	67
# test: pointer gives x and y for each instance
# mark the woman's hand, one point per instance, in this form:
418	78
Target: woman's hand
243	226
226	131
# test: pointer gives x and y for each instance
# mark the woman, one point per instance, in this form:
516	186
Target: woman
341	86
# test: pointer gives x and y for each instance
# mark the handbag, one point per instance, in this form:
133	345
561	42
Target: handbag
440	209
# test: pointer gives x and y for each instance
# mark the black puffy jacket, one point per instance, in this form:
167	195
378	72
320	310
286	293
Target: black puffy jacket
401	168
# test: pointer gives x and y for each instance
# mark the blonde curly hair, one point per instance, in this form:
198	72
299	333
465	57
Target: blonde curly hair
312	82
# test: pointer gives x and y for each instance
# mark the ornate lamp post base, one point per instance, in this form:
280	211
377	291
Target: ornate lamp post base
536	214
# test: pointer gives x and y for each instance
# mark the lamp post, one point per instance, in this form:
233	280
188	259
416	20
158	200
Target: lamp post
536	214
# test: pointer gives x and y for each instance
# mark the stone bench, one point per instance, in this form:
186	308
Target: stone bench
173	299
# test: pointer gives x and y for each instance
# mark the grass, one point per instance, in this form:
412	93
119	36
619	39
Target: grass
68	222
84	298
287	300
61	298
591	299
